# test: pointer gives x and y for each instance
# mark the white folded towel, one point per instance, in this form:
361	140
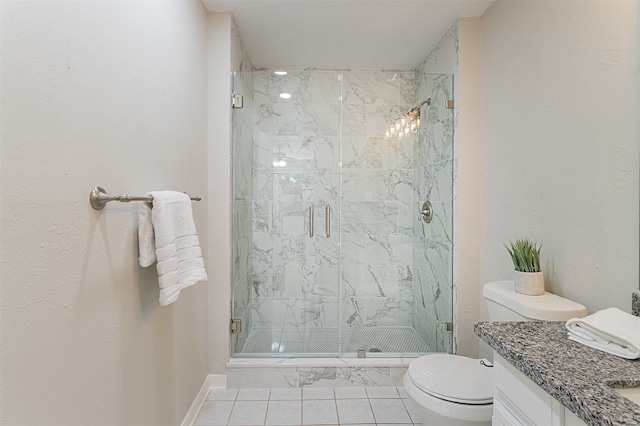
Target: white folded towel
166	233
610	330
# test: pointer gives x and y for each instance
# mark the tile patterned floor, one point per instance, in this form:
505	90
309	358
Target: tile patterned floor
308	406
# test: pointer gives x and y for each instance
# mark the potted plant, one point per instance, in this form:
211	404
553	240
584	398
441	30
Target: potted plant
525	255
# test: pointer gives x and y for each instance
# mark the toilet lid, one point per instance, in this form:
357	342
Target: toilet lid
453	378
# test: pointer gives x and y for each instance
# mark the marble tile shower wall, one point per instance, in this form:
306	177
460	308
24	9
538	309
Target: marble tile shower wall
296	162
295	165
242	164
433	243
377	198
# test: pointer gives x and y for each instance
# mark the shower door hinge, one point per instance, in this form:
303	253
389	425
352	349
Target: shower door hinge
236	326
448	326
237	101
449	104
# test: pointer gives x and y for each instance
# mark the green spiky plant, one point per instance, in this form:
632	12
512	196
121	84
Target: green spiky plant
525	254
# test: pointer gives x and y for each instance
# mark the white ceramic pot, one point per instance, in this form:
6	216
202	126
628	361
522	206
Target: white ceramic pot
529	283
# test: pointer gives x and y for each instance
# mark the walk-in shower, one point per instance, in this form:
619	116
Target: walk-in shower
330	256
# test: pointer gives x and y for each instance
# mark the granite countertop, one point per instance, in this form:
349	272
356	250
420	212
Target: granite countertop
574	374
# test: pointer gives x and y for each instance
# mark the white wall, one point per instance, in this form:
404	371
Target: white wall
560	144
110	94
468	178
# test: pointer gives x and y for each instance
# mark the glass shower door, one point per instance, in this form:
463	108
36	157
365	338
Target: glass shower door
329	256
242	207
433	242
295	194
396	283
377	214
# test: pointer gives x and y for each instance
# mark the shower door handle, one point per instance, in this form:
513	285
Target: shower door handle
311	220
327	220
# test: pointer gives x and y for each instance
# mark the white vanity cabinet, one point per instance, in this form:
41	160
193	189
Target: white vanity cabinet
519	401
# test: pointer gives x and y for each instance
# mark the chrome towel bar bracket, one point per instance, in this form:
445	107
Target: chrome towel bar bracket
99	198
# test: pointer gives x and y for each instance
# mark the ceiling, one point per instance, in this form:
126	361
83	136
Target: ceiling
378	34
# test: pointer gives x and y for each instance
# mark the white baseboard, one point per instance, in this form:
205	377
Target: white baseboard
218	381
212	380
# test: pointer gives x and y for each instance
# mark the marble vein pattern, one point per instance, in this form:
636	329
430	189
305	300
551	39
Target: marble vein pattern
443	58
576	375
315	377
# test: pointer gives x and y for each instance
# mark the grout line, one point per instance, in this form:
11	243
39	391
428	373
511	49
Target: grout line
301	409
233	406
407	410
266	411
373	413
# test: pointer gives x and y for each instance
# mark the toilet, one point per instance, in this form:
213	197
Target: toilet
453	390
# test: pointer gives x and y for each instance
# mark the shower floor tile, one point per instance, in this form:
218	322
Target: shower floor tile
266	340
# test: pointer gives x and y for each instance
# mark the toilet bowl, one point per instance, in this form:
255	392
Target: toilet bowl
452	390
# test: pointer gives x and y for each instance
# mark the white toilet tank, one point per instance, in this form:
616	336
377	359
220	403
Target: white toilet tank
504	304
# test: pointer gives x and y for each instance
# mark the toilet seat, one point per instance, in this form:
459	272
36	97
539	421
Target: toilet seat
453	378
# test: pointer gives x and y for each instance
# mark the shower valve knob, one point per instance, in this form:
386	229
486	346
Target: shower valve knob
426	213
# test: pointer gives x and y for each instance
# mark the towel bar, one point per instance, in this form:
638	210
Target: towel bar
99	198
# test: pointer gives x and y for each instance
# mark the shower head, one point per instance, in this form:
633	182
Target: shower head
415	111
410	122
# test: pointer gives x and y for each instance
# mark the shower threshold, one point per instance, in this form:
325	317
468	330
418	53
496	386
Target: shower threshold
375	341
